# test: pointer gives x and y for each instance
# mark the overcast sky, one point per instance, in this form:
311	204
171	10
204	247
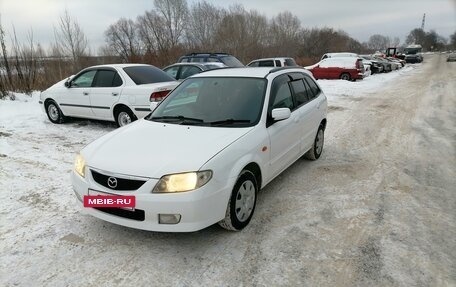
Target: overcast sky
359	18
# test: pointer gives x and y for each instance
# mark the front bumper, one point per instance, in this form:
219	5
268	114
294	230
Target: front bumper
198	209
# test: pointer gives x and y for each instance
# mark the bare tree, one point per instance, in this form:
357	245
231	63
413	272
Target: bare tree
70	39
174	13
284	33
122	37
203	21
6	77
378	42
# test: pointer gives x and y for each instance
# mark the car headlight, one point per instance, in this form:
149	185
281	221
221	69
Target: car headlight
181	182
79	165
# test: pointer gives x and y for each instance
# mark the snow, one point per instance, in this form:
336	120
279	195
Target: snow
40	227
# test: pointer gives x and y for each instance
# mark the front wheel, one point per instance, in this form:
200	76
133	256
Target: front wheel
54	113
317	148
242	202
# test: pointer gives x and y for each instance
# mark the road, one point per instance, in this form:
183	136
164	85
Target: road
377	209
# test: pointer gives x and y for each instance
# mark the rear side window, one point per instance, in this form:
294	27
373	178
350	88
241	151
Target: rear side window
147	75
315	91
107	78
278	64
290	62
231	61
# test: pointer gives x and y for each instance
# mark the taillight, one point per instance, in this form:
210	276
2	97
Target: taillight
158	96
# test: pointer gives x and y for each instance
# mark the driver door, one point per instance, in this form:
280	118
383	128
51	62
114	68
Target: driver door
76	100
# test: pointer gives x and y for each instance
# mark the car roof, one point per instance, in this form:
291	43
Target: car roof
252	72
119	65
267	59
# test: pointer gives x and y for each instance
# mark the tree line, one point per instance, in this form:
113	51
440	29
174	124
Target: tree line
173	28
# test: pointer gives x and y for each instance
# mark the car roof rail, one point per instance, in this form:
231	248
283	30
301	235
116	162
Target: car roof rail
206	53
285	68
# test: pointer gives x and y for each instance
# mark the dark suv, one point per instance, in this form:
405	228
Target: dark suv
224	58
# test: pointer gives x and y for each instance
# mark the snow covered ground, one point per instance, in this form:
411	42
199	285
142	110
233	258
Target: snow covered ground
314	233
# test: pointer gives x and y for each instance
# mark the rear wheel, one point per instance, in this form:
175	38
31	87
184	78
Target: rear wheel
242	202
345	76
54	113
317	148
124	116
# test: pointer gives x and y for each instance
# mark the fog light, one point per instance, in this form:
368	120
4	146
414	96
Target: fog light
169	218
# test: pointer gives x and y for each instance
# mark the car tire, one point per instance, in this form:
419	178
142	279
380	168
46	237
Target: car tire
317	147
242	202
345	76
124	116
54	113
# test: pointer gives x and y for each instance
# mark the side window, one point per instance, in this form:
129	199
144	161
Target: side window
277	63
254	64
172	71
188	71
281	95
313	88
300	93
106	78
269	63
211	59
84	80
197	60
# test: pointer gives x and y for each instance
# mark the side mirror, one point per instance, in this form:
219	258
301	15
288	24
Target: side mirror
67	84
153	105
280	114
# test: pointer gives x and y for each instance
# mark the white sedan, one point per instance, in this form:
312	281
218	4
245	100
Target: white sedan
207	149
120	93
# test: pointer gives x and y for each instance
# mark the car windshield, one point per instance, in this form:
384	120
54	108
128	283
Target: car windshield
147	75
231	61
213	101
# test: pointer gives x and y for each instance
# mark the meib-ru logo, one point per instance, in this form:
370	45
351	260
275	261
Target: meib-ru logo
113	201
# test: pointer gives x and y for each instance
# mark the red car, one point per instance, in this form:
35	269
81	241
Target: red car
345	68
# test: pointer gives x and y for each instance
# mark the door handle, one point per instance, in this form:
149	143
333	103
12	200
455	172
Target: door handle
115	94
85	93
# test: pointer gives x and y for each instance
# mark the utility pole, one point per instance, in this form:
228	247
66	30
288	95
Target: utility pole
422	22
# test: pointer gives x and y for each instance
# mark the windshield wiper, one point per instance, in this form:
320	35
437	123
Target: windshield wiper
178	119
228	122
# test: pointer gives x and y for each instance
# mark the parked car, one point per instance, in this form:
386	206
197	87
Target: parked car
341	54
413	58
387	66
273	62
376	66
224	58
181	71
121	93
395	65
451	58
206	150
345	68
397	60
367	68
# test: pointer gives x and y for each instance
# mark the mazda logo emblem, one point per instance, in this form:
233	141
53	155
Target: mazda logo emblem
112	182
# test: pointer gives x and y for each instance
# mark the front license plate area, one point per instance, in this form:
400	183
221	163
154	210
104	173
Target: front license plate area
92	193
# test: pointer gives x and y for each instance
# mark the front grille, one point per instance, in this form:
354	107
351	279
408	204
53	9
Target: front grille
121	183
137	214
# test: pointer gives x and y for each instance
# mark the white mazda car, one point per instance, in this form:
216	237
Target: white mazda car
206	150
120	93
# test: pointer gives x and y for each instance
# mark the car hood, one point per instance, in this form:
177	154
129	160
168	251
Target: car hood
153	149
